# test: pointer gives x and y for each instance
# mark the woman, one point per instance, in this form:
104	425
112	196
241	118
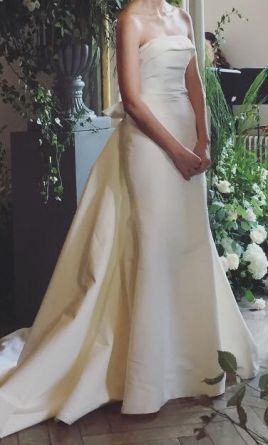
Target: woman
214	53
138	303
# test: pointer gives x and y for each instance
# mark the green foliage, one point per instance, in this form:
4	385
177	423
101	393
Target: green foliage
175	2
228	364
31	33
222	123
225	19
237	189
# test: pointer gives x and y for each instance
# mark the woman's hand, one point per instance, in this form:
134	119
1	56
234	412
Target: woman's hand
201	149
187	162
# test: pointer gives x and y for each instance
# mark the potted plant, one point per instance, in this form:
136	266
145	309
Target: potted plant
48	43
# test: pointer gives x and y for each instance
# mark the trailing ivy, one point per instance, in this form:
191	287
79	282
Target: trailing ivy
31	33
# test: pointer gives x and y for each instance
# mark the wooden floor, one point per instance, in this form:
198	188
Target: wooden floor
173	425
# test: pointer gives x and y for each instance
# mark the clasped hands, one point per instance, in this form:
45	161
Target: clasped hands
193	162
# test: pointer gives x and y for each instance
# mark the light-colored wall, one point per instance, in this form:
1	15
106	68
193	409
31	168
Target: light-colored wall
246	42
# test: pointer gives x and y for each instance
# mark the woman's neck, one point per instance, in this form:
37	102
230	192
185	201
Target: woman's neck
153	6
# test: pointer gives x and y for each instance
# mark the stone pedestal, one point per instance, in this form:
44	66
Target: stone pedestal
40	229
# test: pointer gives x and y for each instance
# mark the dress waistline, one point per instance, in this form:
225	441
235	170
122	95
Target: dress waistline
116	111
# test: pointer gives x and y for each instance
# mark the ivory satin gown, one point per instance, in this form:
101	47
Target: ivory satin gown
138	303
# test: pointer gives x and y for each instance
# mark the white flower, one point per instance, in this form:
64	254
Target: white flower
233	261
38	121
264	174
227	244
57	120
224	187
256	188
258	235
232	216
234	169
31	5
250	215
260	196
214	180
258	304
258	262
225	263
233	99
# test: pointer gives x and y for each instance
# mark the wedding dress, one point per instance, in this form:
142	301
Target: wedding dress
139	303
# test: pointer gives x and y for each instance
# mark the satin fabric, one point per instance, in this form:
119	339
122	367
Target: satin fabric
139	303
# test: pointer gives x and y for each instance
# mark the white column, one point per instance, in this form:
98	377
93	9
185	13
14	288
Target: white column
185	4
196	9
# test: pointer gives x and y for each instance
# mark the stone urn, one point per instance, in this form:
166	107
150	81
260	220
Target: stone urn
73	62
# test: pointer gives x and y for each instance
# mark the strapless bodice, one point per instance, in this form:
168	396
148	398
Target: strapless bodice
163	62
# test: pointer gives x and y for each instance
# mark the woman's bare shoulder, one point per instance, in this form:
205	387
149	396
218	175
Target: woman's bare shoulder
184	18
185	15
129	18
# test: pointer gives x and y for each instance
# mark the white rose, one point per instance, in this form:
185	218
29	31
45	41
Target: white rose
258	304
232	260
258	262
258	235
31	5
225	263
250	215
224	187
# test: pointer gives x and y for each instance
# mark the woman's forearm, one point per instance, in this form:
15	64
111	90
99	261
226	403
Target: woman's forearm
151	126
197	98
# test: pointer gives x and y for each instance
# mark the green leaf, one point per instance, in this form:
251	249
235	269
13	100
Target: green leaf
227	361
263	382
264	394
266	416
219	204
215	380
238	395
245	226
242	416
249	295
221	214
241	211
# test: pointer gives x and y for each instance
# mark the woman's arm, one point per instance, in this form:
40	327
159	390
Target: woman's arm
129	34
196	90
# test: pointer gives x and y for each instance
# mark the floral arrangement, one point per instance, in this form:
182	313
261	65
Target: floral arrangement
238	192
238	216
